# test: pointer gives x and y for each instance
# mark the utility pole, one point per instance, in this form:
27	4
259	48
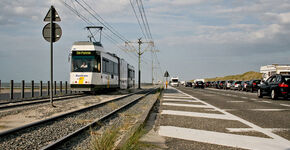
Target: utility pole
139	63
139	52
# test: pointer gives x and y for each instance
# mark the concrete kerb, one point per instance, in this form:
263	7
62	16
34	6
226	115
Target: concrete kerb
139	124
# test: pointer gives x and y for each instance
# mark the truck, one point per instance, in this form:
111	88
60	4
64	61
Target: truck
273	69
174	81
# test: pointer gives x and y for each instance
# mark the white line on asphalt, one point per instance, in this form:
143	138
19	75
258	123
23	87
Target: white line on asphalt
195	114
244	97
230	109
233	140
174	97
268	109
285	105
252	130
180	100
235	101
253	99
186	105
257	128
265	102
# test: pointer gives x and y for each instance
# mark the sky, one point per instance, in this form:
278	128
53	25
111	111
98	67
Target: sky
195	38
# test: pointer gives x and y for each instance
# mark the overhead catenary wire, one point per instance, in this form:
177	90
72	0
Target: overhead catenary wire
86	20
142	18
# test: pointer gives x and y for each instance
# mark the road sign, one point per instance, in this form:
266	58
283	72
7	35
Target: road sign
166	74
54	14
51	33
56	32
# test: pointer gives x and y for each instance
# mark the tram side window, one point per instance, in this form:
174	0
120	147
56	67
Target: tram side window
116	69
104	62
108	66
111	67
97	65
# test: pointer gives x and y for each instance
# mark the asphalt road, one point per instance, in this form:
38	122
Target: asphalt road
218	119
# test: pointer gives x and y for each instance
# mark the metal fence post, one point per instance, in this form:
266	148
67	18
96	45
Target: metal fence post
40	88
22	88
54	87
0	86
60	87
48	88
11	89
65	87
32	88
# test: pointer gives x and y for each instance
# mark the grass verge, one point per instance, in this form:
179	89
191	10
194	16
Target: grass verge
106	140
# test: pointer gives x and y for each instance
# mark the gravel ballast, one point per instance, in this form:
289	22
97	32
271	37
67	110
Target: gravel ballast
40	136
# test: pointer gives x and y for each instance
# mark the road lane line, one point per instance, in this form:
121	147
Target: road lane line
226	139
268	109
257	128
186	105
174	97
244	97
265	102
285	105
180	100
251	129
195	114
253	99
235	101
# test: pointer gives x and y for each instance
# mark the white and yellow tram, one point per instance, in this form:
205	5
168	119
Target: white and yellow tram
92	68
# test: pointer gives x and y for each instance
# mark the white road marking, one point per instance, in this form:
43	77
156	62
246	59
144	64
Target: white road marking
186	105
230	109
244	97
268	109
233	140
174	97
252	130
253	99
252	125
265	102
285	105
235	101
180	100
195	114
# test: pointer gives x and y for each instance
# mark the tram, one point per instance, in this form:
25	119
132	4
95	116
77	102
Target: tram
93	68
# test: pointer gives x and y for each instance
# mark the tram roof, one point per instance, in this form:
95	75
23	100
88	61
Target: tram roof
88	43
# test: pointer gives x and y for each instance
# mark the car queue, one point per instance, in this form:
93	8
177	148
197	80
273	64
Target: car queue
276	86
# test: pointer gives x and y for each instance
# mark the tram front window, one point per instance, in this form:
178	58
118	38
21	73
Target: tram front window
86	64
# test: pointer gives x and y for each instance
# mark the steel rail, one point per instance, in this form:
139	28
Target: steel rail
38	101
92	124
14	130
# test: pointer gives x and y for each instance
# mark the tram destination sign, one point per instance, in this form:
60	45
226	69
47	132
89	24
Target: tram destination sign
83	53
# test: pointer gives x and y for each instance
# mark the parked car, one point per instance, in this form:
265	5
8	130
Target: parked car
253	85
207	84
228	84
216	84
188	84
236	85
221	84
198	84
244	85
275	86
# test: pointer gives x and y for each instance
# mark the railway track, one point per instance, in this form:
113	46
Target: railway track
38	101
49	133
